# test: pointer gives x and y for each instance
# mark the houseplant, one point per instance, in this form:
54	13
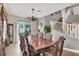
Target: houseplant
47	29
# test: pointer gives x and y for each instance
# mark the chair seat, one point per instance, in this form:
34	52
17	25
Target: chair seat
57	49
49	51
28	50
32	53
2	51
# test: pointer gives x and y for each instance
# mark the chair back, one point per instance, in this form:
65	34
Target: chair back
34	37
21	43
2	51
40	35
27	46
48	36
24	45
59	46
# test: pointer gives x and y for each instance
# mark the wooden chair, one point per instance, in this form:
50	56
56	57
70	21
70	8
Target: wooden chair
48	36
2	49
60	46
34	36
40	35
56	49
21	43
29	49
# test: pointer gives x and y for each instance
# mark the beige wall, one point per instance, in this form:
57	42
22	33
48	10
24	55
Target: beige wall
76	10
0	6
12	20
34	27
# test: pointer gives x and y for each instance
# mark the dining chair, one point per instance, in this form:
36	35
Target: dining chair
29	51
34	36
2	49
40	35
48	36
60	45
21	43
57	48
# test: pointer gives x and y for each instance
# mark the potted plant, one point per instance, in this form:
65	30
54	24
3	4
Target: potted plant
47	29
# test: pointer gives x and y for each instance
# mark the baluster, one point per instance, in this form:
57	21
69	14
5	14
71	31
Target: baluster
74	31
70	30
77	31
67	30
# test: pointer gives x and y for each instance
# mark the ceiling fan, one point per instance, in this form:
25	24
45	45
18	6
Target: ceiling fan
33	18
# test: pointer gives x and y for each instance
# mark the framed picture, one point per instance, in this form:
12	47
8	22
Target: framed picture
10	32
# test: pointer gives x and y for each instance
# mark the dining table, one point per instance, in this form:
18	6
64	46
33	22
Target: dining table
39	45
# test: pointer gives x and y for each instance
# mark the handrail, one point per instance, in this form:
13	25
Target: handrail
71	30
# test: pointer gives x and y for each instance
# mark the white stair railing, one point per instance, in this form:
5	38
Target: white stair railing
71	30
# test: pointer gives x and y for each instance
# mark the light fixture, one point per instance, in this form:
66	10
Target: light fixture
33	18
51	14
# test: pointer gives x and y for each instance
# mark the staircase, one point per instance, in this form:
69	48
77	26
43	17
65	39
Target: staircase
69	31
69	27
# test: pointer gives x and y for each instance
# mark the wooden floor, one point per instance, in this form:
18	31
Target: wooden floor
14	50
69	53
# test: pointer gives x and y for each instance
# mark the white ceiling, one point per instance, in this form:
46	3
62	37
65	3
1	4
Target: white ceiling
24	9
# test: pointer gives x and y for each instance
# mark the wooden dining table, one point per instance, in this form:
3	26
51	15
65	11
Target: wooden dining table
39	45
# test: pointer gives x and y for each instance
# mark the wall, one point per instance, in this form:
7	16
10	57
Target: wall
15	20
54	17
12	20
47	19
0	7
71	43
34	27
76	10
66	14
41	24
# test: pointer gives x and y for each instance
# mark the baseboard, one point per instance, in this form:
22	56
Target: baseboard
71	50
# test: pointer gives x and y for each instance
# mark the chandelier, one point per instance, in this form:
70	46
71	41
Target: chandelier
32	18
